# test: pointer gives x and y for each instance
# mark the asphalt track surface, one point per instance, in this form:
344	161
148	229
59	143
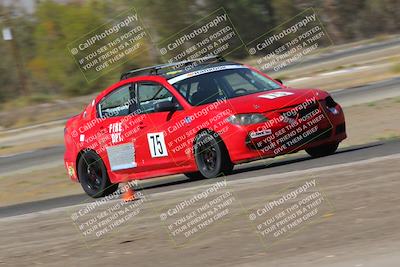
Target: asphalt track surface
368	93
264	167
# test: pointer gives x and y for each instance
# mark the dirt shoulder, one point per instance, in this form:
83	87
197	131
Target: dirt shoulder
374	121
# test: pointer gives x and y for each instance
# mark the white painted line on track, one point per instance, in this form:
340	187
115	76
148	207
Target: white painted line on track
299	79
336	72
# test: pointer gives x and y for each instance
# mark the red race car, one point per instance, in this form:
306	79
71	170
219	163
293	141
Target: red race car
199	118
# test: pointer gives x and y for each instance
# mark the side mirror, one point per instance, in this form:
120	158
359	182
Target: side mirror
164	106
279	80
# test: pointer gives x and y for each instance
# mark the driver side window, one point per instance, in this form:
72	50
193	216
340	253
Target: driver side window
151	93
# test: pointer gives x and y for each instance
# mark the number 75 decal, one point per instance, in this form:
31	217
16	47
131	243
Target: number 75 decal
157	145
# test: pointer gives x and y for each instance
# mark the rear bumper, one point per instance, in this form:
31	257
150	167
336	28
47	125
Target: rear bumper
266	141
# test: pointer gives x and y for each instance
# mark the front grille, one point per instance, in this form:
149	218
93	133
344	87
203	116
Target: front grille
308	110
319	135
290	114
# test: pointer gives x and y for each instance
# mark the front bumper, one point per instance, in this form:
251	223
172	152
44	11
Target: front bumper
316	126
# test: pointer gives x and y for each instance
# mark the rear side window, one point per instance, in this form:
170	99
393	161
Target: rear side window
117	103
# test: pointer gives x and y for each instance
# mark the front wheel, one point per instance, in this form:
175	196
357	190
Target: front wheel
93	176
211	156
322	150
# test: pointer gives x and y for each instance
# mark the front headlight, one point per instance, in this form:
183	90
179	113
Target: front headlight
246	119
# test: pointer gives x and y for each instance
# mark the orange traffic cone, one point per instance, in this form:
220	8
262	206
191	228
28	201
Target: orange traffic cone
129	195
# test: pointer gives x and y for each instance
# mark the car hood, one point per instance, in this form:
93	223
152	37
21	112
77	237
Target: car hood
272	100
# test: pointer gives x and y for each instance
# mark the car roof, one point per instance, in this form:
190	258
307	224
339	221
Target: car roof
172	70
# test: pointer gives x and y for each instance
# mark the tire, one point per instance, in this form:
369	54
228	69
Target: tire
211	155
322	150
93	176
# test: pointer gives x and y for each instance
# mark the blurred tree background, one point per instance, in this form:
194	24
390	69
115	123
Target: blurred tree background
41	36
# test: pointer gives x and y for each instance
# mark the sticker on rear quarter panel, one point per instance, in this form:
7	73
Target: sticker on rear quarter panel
275	95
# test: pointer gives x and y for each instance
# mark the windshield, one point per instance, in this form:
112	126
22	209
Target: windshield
224	84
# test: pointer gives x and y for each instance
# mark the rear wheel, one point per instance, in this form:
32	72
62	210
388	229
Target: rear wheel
211	155
322	150
93	176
